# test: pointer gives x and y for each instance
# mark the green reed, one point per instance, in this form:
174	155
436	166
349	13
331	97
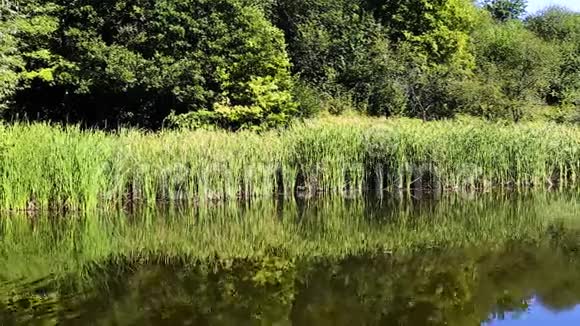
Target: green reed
51	167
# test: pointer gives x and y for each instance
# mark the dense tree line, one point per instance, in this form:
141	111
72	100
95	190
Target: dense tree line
247	63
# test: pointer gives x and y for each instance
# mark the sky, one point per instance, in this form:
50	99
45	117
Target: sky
535	5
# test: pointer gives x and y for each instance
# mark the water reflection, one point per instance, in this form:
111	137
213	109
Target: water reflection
459	287
539	315
468	261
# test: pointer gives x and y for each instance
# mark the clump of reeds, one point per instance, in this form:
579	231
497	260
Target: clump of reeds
51	167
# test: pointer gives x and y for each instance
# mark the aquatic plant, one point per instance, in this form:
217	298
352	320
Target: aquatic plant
52	167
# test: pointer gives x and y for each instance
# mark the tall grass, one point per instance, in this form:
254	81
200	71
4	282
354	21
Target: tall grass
50	167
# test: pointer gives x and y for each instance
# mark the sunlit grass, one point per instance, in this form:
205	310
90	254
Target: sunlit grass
48	167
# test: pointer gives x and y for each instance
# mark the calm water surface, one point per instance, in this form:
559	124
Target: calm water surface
490	259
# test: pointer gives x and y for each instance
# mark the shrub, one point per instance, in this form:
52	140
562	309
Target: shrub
514	67
561	27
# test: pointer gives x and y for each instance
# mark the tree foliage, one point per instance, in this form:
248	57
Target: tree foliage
439	28
370	49
341	50
561	27
135	61
503	10
261	63
514	69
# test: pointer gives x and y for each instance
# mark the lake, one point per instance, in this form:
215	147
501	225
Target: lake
500	258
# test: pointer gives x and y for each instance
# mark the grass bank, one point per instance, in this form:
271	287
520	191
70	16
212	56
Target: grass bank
44	167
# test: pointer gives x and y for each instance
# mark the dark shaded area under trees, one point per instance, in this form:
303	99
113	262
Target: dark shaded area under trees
261	63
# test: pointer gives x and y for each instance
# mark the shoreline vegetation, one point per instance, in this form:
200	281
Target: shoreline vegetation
50	167
239	100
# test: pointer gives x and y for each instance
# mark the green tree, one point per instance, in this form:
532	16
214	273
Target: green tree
438	28
135	61
503	10
561	27
371	50
340	50
429	42
9	61
514	69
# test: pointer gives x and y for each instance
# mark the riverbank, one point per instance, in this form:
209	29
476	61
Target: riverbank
47	167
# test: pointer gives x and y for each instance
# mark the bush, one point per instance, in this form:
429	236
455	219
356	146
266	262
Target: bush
514	69
561	27
376	80
479	97
308	98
